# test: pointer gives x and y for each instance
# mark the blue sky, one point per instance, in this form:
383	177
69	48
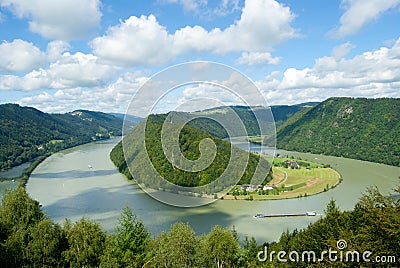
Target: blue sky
63	55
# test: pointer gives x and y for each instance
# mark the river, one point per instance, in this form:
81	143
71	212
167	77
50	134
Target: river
68	188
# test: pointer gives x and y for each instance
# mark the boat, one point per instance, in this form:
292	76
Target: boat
89	166
307	213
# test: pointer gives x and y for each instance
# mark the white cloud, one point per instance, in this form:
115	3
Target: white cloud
32	81
135	41
111	98
90	84
55	49
371	74
80	70
341	51
358	13
379	66
68	71
143	41
258	58
61	19
19	56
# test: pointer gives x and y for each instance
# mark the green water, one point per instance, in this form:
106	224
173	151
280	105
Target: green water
68	188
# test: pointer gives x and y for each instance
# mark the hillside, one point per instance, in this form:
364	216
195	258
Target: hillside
189	140
359	128
26	133
249	116
130	120
283	112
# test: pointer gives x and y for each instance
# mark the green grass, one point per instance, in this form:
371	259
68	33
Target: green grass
292	183
55	141
302	163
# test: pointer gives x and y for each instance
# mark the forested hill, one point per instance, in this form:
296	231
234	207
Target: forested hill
249	116
26	132
284	112
189	140
359	128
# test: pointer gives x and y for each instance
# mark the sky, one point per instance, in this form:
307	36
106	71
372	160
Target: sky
59	56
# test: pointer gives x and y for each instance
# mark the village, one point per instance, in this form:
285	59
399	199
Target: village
291	178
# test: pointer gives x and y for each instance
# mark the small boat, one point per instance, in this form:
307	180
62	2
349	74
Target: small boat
89	166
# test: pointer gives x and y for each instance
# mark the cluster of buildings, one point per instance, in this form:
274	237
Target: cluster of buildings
291	164
253	188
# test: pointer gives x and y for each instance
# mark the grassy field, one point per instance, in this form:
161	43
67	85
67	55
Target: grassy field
310	179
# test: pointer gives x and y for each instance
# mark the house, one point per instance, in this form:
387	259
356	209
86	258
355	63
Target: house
266	188
291	164
249	187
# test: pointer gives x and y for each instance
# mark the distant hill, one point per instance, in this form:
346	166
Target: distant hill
284	112
359	128
26	132
131	120
189	140
249	117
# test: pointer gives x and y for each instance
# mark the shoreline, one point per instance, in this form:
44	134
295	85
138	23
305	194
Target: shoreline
24	177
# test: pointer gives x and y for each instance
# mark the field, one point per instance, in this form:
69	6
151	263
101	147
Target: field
309	179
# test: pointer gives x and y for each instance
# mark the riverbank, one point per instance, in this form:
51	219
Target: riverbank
23	178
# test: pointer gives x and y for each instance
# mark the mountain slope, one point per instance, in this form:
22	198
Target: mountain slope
249	116
284	112
26	132
131	120
359	128
189	141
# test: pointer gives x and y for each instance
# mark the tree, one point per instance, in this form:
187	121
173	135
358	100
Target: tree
220	248
47	243
86	244
18	213
18	210
128	246
250	248
176	248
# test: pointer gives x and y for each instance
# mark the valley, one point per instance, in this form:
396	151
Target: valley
93	181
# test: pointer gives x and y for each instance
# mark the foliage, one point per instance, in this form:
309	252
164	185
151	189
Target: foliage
86	243
30	239
127	247
26	133
177	248
18	213
283	112
46	244
252	117
220	248
359	128
189	142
